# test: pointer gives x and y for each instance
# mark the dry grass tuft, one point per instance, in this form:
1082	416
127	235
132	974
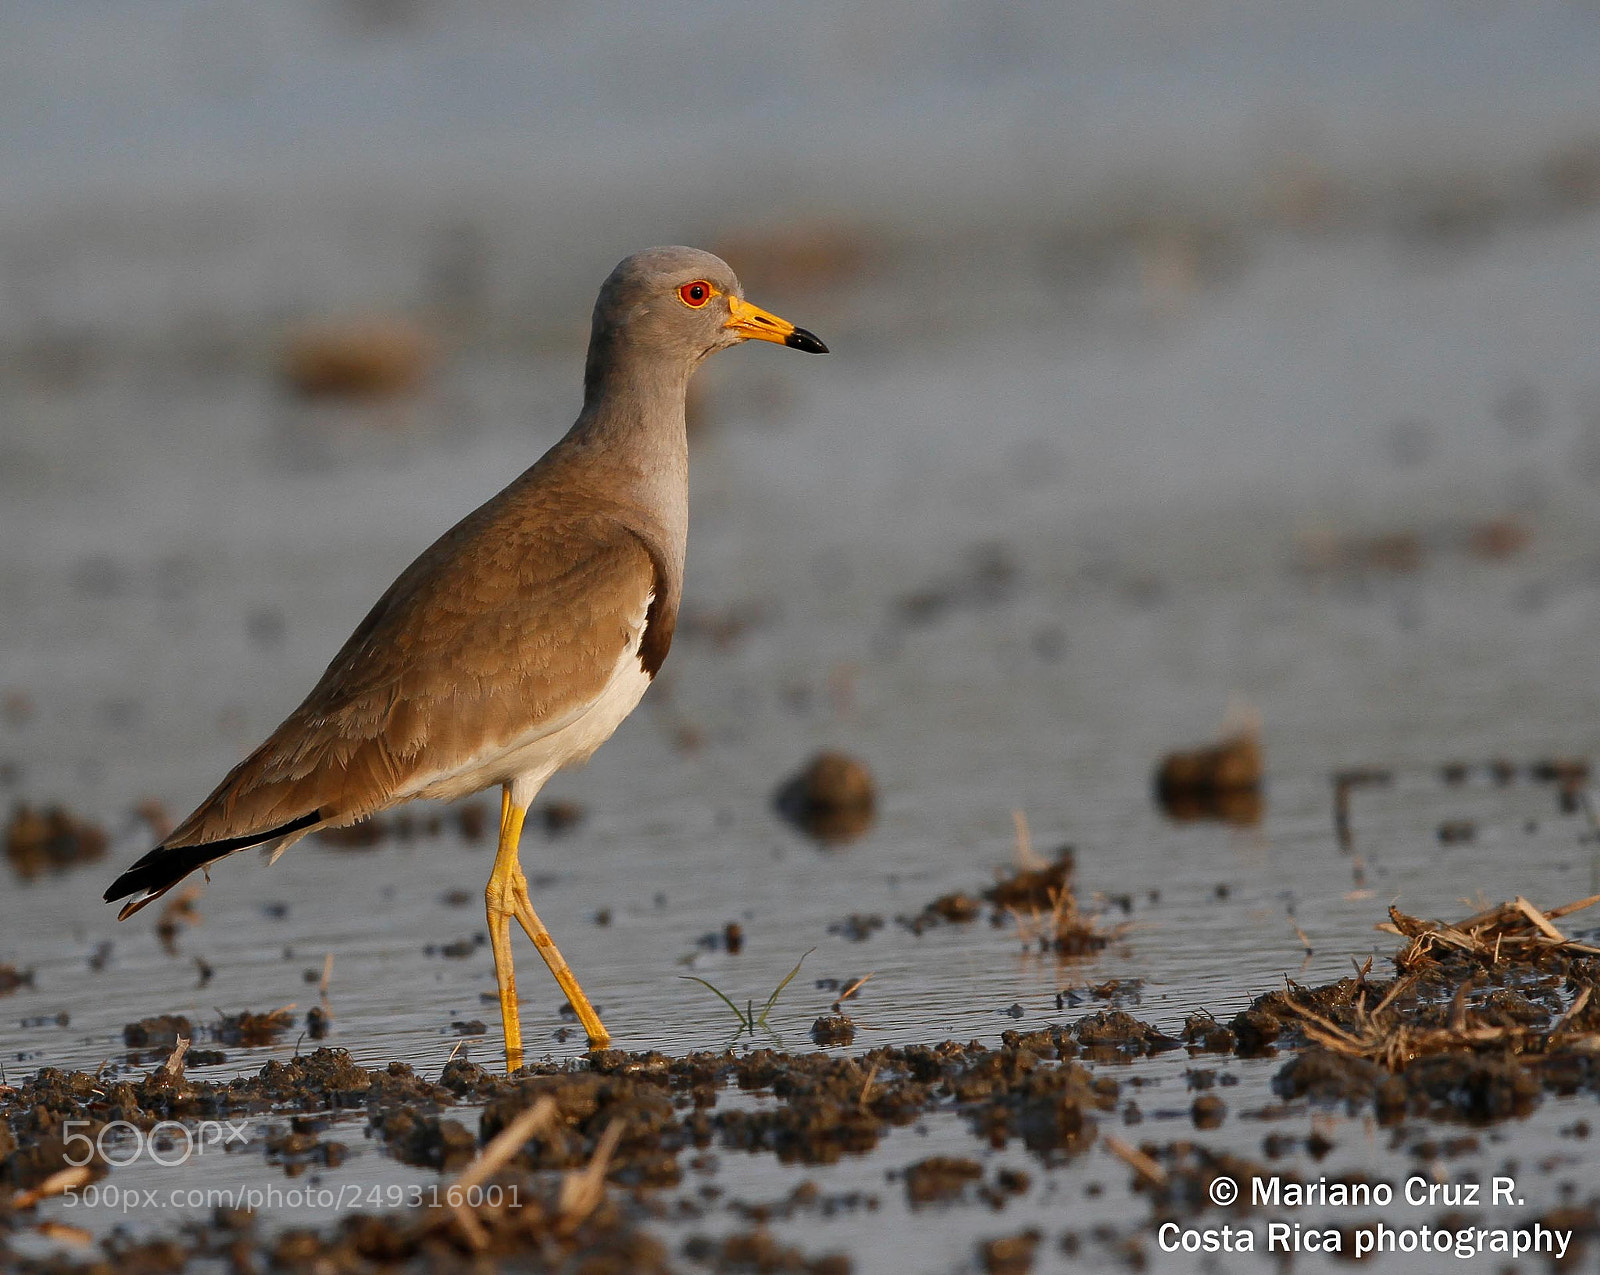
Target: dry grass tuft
1516	929
490	1161
1064	928
582	1190
1391	1033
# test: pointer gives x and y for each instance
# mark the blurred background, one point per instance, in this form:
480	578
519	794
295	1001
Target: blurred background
1197	364
1187	355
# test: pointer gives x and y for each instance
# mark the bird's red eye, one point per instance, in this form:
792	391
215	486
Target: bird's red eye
696	294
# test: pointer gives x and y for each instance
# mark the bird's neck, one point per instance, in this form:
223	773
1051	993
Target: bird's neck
629	376
632	428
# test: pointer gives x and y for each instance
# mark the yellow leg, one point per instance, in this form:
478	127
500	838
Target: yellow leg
507	896
500	908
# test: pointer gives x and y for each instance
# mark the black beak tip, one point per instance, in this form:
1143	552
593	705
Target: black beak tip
800	339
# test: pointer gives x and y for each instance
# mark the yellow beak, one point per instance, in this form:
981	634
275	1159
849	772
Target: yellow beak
752	322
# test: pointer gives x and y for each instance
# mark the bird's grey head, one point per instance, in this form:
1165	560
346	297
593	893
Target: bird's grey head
679	305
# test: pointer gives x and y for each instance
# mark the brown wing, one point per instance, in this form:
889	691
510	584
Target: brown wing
516	617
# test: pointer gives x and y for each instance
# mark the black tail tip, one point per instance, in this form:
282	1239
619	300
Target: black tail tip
165	866
146	874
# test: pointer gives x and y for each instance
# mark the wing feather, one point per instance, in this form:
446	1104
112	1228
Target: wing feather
517	616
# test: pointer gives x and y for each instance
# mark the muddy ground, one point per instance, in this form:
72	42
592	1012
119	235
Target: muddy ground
625	1161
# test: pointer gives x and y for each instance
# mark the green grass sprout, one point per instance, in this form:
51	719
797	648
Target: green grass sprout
747	1017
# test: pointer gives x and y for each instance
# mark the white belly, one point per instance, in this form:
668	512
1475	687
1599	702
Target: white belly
528	762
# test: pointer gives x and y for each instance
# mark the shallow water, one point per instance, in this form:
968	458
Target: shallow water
186	547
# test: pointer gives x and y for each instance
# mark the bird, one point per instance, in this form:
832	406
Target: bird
519	640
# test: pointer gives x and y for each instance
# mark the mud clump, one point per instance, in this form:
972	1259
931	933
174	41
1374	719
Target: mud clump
39	1158
940	1178
559	817
827	1107
1470	1087
1496	539
1051	1109
586	1103
858	927
729	939
298	1147
160	1032
957	908
248	1029
1570	775
1035	888
1204	1034
833	800
833	1029
1328	1077
1031	889
472	821
1077	937
1396	552
1039	898
1457	1086
1221	781
1010	1254
607	1241
1114	1031
1184	1172
1119	991
375	356
428	1142
52	840
1255	1030
1208	1111
758	1250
